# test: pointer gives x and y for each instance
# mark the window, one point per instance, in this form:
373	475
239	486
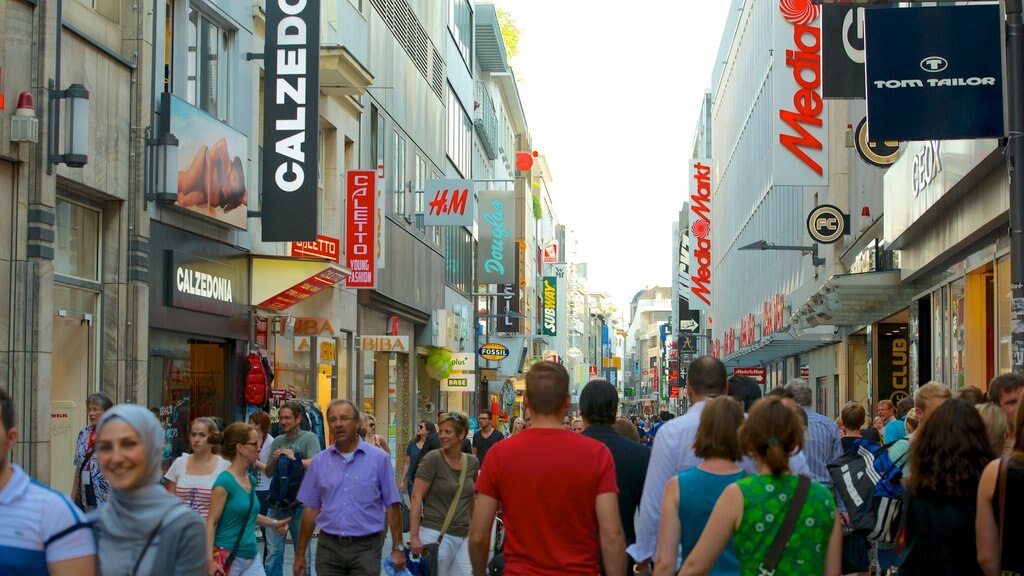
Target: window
458	258
460	23
399	173
78	241
460	138
421	182
207	76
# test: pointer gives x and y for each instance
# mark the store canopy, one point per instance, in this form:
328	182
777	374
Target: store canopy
854	300
777	346
280	283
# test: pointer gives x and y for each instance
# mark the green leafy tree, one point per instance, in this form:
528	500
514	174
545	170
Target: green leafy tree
510	33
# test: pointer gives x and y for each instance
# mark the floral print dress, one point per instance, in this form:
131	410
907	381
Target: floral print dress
92	467
765	502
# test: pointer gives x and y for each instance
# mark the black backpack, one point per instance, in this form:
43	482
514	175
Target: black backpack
284	485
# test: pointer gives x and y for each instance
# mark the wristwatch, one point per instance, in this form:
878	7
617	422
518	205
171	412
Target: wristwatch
398	548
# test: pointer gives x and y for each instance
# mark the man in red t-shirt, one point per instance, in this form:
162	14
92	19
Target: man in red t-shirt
556	490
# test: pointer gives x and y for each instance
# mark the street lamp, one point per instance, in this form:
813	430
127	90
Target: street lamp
765	245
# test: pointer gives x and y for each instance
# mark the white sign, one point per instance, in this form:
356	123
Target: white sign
459	383
463	362
449	202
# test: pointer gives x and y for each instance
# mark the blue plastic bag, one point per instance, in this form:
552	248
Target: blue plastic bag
416	566
389	568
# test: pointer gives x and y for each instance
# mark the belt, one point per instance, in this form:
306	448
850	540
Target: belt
351	539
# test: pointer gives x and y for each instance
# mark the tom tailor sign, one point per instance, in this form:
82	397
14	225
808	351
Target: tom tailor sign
496	262
291	117
359	229
935	73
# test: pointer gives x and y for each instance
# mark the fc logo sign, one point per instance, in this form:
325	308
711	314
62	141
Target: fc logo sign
826	224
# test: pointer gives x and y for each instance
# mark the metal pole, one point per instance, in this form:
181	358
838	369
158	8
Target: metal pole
1015	87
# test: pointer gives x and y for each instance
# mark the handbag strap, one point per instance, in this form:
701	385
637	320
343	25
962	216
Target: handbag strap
245	522
1001	481
803	487
455	501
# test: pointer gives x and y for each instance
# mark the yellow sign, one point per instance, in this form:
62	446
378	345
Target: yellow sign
384	344
493	352
328	351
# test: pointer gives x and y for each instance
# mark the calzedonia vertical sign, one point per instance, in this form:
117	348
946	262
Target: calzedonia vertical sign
291	114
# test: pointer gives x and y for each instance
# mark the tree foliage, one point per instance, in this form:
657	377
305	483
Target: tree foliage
510	33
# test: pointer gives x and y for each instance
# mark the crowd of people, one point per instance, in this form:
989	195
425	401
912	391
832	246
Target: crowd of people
737	485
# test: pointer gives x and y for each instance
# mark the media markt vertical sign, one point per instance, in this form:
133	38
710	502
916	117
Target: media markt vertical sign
800	134
549	320
700	235
496	255
291	115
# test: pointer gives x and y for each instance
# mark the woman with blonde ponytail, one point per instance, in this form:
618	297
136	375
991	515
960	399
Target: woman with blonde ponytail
752	510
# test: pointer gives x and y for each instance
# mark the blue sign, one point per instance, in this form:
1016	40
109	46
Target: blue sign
934	73
472	423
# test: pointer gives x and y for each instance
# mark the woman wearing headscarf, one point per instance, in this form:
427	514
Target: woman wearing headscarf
142	529
90	488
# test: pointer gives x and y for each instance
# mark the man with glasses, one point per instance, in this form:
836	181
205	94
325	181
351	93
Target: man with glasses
350	493
294	447
486	437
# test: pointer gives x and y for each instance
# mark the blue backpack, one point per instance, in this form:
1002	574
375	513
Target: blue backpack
284	485
887	498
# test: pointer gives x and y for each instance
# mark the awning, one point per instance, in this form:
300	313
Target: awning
280	283
854	300
777	346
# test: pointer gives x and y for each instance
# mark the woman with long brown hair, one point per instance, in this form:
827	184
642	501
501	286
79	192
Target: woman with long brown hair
191	477
947	457
1000	518
752	510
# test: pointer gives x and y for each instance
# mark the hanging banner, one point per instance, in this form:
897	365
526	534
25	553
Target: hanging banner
291	117
359	228
449	202
842	51
496	255
549	307
800	134
551	252
700	235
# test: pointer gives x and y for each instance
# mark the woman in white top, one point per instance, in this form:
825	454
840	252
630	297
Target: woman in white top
191	477
261	422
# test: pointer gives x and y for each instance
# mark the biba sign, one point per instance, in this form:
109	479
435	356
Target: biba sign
800	124
700	235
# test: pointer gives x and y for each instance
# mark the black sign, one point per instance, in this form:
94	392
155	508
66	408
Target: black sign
202	285
291	117
935	73
842	51
508	321
827	224
881	154
893	362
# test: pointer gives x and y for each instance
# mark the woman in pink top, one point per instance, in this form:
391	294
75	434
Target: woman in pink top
191	477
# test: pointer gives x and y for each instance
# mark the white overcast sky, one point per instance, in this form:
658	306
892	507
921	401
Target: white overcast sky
612	92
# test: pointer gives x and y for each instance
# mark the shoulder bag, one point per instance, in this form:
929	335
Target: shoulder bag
803	487
430	551
223	558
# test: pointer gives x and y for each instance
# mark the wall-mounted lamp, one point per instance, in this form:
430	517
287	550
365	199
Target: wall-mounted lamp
76	128
766	245
162	159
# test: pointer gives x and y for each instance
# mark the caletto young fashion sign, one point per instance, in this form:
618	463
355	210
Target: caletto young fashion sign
291	120
359	228
496	260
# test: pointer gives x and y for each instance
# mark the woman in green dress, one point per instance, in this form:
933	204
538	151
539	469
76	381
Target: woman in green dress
752	510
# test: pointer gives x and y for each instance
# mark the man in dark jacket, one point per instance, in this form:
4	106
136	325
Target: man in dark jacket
598	405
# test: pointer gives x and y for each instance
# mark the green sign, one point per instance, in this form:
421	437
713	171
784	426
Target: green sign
549	317
630	391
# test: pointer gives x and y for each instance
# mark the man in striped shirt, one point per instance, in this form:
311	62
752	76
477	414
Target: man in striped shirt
41	531
821	442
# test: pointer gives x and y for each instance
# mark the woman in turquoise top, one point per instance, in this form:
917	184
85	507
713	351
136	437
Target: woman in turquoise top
696	490
233	506
752	510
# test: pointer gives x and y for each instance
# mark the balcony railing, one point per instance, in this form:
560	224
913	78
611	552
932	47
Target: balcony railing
485	120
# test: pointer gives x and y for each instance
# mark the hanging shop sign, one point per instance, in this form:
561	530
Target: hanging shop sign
877	153
359	229
935	73
384	344
291	116
449	202
801	153
302	290
551	252
827	224
842	51
496	262
700	235
494	352
893	360
459	383
510	302
760	375
549	307
324	247
202	285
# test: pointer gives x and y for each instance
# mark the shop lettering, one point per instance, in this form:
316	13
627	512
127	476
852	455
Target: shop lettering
700	204
926	167
807	98
900	369
375	344
441	205
549	307
291	61
496	218
935	82
305	326
203	284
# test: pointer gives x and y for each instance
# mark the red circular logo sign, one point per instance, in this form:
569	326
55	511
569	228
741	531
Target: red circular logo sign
700	228
799	11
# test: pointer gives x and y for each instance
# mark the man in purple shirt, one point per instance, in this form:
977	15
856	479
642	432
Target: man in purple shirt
345	491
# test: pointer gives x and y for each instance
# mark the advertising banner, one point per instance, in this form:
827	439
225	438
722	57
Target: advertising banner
935	73
291	116
496	255
800	134
212	161
359	228
893	359
449	202
549	307
842	51
302	290
699	227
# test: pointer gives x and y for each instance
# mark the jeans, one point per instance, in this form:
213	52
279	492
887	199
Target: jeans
887	557
275	542
246	567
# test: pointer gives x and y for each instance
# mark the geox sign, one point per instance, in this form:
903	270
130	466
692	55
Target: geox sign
700	235
291	119
935	73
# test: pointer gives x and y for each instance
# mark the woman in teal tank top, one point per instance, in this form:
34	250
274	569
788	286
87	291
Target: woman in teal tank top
693	492
751	511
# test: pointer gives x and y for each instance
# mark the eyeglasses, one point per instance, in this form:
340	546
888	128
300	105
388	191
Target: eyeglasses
345	419
253	444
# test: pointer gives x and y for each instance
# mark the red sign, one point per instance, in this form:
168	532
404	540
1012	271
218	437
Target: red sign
303	290
805	372
700	236
593	370
359	229
551	252
716	348
758	374
803	56
262	329
673	391
772	309
729	345
747	331
324	247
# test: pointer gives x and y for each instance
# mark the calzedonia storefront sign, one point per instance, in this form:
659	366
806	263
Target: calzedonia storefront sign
202	285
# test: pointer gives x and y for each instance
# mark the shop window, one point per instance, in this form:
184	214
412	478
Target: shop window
459	146
207	62
78	232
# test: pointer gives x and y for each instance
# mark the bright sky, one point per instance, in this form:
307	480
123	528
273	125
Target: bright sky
612	92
